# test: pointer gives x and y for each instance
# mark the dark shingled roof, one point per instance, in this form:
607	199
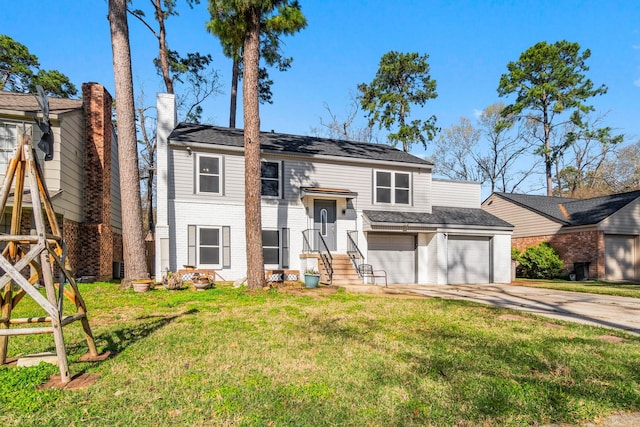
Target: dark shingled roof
578	211
26	102
449	216
292	144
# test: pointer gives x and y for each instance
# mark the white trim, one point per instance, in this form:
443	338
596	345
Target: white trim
199	228
392	188
220	173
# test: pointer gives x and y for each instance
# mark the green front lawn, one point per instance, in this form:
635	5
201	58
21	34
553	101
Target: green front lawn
229	357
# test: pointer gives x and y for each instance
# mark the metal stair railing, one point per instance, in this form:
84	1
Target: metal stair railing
355	255
325	256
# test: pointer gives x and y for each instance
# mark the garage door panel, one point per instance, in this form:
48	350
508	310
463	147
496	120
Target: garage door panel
468	259
394	253
619	260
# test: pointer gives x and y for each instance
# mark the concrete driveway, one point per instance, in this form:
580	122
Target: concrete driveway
621	313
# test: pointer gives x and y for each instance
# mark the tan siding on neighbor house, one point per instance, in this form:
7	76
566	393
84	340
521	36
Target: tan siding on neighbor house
526	222
66	170
625	221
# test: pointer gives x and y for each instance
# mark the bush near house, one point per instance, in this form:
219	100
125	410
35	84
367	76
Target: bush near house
538	262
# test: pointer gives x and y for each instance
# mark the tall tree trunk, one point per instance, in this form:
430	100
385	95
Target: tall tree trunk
162	45
253	220
235	74
132	238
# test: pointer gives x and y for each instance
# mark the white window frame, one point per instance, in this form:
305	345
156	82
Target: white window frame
219	174
279	179
219	246
4	143
392	188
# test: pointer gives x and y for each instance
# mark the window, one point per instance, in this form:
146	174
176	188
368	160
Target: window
393	188
270	178
209	176
271	246
275	247
8	140
209	246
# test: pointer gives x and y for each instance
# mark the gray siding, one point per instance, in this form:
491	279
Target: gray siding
625	221
526	222
461	194
296	173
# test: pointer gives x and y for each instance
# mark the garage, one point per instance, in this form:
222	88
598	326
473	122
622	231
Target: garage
468	259
619	257
394	253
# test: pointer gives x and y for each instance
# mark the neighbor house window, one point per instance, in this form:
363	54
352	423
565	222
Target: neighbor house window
209	175
8	140
209	246
270	179
392	187
275	247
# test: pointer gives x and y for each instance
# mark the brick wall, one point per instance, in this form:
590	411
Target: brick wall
97	237
582	246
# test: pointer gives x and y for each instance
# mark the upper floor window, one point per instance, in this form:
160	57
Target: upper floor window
392	187
8	141
209	175
270	179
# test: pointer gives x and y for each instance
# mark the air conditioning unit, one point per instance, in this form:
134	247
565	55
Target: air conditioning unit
118	270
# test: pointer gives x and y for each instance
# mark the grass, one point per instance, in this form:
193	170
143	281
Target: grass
593	287
228	357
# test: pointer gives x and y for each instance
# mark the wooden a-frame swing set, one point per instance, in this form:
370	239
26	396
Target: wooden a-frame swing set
36	256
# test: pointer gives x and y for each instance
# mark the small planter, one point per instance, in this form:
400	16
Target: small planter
311	280
201	283
141	285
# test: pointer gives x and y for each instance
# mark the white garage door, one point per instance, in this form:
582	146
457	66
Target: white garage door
619	257
468	260
394	253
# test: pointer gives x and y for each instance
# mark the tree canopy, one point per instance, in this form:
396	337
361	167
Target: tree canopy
402	80
277	18
20	72
549	82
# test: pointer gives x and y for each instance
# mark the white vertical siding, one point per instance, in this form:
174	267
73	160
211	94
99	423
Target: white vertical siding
501	258
116	200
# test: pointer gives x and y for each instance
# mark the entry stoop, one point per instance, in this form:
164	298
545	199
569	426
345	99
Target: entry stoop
344	273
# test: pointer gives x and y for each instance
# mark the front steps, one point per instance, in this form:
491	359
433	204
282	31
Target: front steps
344	273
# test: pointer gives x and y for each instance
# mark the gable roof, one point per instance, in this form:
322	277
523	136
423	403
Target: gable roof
27	103
440	216
573	212
272	142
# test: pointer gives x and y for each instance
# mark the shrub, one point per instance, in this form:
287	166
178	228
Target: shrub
539	262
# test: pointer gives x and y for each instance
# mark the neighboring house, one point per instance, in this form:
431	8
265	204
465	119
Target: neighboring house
82	178
597	238
371	202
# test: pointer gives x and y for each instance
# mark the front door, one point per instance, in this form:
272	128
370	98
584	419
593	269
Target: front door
324	220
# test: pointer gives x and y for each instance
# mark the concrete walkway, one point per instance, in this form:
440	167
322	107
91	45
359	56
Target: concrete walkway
613	312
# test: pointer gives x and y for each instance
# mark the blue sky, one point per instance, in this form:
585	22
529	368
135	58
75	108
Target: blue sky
469	44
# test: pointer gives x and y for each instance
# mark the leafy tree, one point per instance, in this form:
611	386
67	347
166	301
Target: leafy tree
132	238
20	72
549	81
229	25
402	80
539	262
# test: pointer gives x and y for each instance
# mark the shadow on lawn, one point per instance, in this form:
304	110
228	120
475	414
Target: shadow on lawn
117	339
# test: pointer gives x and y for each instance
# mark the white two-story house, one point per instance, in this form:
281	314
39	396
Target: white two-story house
372	202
